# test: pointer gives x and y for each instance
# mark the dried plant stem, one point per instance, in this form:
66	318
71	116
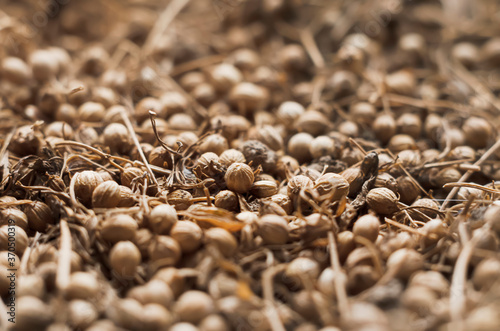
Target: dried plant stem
466	176
6	142
340	291
130	129
445	163
472	185
268	293
64	261
161	25
307	39
196	64
26	255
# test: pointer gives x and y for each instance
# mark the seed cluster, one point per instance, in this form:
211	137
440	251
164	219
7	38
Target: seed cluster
259	165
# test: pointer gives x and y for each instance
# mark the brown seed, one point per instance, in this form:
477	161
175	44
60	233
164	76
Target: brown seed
231	156
164	251
239	177
119	227
321	146
224	76
117	138
188	235
478	132
313	122
155	317
227	200
106	195
289	111
193	306
264	188
268	135
406	262
299	146
82	285
162	218
367	226
129	175
223	240
13	233
15	217
39	215
85	184
401	142
32	314
214	143
486	274
302	269
331	187
248	97
180	199
15	70
273	229
81	314
91	112
124	258
126	197
382	201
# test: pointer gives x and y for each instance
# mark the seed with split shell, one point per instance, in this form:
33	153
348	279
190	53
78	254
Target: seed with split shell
106	195
382	201
85	184
223	240
188	235
264	188
332	187
273	229
162	218
239	177
124	258
119	227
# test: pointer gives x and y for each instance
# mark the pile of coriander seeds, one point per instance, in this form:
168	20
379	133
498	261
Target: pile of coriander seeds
276	165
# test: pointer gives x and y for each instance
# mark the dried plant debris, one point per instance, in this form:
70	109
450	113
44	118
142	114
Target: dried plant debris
250	165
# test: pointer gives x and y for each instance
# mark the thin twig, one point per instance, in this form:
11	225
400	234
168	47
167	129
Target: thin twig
466	176
64	261
161	25
268	293
130	128
339	280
